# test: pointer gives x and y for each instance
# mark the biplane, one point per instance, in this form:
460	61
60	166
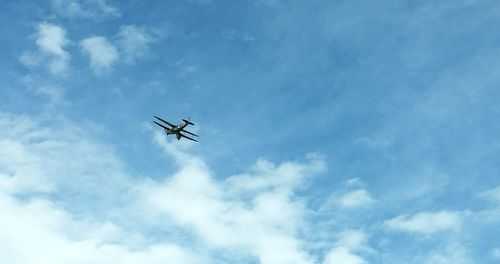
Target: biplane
177	130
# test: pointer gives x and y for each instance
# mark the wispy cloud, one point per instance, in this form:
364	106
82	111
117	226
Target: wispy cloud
492	194
134	42
356	198
381	141
353	196
101	52
51	42
427	223
347	247
342	255
496	253
89	9
452	253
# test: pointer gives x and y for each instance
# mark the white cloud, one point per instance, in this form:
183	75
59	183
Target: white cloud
354	240
101	52
453	253
256	213
496	253
341	255
39	162
240	36
355	199
426	222
492	194
37	229
49	173
266	175
354	182
348	244
51	41
133	42
352	197
84	8
383	141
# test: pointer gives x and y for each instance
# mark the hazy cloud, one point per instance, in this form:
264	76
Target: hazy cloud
426	222
51	42
496	253
492	194
356	198
84	8
349	243
101	52
133	42
341	255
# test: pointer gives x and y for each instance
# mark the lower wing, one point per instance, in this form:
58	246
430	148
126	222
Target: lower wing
188	137
190	133
166	128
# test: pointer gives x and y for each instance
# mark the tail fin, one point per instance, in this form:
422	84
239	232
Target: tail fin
188	121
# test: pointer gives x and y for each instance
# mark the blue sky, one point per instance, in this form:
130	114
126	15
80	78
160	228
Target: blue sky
343	132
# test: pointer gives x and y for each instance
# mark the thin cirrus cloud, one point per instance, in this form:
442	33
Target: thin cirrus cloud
51	41
427	223
496	253
351	197
342	255
134	42
87	9
492	194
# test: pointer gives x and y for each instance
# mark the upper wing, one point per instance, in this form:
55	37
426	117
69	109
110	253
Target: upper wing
170	124
188	137
161	125
193	134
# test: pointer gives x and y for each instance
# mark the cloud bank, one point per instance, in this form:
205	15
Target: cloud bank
79	209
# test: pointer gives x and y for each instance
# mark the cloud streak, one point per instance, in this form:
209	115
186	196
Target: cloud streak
88	9
427	223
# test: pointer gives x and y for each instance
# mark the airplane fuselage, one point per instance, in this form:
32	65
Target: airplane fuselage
177	129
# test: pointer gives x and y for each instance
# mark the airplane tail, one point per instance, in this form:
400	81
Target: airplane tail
188	121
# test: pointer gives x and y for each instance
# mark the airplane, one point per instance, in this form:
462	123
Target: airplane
177	130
